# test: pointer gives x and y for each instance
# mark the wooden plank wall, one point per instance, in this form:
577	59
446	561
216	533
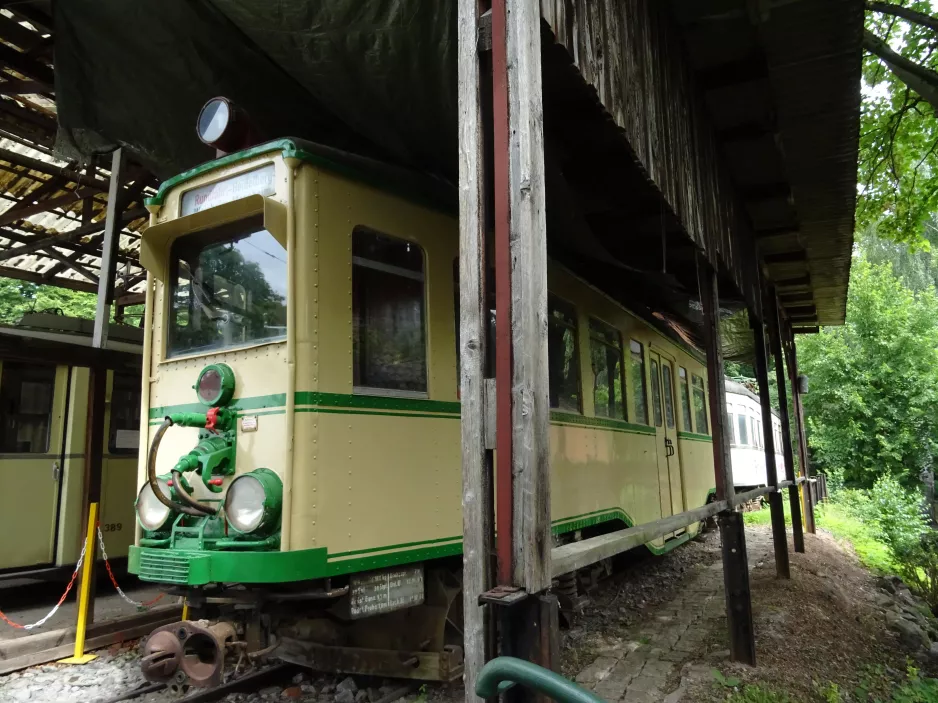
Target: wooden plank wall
633	56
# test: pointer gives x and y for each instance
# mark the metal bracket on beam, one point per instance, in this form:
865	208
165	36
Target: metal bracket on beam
503	595
485	32
489	420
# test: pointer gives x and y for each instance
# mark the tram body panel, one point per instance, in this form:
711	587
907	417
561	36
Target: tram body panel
73	471
376	474
33	400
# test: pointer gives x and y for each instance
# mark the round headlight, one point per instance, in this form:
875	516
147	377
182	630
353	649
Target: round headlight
216	384
214	120
152	514
253	501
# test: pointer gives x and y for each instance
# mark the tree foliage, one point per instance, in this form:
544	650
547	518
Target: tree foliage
898	162
874	382
19	297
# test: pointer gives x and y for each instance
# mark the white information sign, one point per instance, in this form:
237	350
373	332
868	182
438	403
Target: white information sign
249	423
260	181
383	591
127	439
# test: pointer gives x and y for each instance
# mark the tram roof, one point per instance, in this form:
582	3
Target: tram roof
775	95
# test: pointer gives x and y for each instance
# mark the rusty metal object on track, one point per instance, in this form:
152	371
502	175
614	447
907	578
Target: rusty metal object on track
187	653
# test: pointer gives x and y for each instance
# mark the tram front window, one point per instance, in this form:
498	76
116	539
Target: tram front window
229	289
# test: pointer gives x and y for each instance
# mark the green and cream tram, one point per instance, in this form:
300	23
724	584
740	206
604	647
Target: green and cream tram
302	441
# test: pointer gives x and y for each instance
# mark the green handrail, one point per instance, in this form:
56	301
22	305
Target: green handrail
503	672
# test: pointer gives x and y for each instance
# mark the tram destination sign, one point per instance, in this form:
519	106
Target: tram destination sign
378	592
260	181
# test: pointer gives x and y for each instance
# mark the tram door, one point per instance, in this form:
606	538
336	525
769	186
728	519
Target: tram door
32	420
669	460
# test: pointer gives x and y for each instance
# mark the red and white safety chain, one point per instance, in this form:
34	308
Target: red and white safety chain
110	573
71	582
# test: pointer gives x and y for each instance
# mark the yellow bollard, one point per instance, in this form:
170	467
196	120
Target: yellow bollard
85	596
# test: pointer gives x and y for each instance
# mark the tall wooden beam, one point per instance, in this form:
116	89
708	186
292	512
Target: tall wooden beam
529	383
799	427
476	475
732	533
794	503
779	535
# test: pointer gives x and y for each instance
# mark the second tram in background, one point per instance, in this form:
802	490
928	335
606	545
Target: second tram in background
747	449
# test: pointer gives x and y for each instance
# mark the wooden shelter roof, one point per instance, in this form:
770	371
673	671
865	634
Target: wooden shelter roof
52	211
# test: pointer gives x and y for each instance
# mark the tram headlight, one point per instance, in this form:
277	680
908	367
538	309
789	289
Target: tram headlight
152	514
215	385
253	500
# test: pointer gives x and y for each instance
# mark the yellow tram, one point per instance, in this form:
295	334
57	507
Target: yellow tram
302	412
43	414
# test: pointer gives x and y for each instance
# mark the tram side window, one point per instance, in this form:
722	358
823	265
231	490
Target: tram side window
655	393
228	288
124	432
700	404
606	359
637	376
685	399
731	416
562	356
388	329
743	424
26	408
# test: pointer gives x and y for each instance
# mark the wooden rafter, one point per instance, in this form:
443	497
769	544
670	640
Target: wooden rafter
33	277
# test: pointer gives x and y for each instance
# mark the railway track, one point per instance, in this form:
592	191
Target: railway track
276	673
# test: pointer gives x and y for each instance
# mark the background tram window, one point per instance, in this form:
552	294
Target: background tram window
655	393
389	346
700	404
26	408
731	416
743	425
685	399
637	376
124	432
606	360
562	358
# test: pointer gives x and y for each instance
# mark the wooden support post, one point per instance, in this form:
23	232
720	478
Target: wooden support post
529	383
732	533
779	535
522	401
794	501
109	247
476	476
799	427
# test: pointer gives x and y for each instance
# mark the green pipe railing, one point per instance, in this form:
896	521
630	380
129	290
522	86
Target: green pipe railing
502	673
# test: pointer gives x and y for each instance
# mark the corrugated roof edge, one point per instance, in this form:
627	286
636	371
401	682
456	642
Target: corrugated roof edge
416	187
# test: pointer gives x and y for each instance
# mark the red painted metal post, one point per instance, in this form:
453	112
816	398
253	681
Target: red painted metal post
503	358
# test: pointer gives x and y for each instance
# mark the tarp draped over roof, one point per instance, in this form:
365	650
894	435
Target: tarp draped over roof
372	77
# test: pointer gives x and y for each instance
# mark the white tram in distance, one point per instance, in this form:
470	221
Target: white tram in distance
747	448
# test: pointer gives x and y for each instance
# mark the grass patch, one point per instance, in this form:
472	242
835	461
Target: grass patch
872	552
834	518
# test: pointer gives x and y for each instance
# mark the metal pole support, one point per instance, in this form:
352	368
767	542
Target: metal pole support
84	596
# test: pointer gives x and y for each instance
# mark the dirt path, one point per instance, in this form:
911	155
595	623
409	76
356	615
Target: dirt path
821	627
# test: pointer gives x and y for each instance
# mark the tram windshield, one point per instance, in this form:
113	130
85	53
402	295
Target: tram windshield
228	289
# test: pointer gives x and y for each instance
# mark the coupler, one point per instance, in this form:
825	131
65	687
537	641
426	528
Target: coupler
188	653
